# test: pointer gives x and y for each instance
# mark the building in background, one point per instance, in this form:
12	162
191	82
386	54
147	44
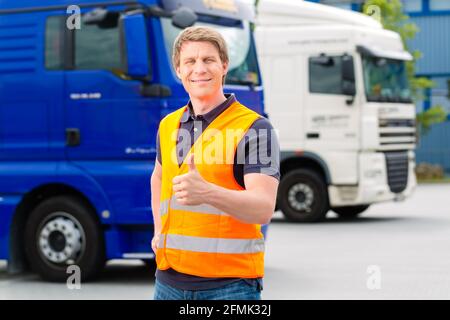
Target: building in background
433	19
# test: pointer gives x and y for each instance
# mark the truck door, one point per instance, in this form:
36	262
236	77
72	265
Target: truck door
331	115
31	79
110	128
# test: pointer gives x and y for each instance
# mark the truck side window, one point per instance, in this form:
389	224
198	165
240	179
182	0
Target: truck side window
97	47
54	36
325	74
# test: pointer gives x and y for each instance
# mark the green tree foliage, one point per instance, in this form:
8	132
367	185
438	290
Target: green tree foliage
392	18
426	119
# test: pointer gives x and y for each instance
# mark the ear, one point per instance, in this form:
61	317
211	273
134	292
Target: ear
225	68
177	70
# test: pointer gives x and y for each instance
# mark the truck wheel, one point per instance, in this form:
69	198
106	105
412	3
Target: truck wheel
60	232
303	196
349	212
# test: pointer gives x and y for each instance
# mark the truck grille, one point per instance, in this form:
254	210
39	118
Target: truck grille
395	133
397	170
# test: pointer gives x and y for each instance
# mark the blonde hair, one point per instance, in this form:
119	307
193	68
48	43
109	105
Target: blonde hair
199	34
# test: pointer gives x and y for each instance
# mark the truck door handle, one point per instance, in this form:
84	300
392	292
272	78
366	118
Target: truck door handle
312	135
72	137
155	90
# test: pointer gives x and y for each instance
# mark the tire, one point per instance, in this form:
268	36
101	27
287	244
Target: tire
60	232
350	212
303	196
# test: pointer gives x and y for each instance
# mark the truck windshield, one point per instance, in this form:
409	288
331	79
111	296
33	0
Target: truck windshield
243	66
385	80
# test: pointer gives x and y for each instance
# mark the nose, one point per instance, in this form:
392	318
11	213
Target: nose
199	67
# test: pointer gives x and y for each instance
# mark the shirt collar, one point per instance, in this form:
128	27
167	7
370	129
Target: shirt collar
188	115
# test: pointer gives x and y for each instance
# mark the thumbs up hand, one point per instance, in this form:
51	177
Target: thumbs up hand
190	162
190	188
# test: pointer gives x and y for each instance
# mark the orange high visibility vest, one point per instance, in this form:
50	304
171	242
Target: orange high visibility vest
202	240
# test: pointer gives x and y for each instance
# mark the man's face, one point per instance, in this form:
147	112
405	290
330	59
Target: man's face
201	69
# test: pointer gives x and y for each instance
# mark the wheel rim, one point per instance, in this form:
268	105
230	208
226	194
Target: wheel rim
61	239
301	197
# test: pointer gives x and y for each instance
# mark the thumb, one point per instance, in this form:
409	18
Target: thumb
190	162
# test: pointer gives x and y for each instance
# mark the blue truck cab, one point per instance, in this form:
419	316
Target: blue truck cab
83	86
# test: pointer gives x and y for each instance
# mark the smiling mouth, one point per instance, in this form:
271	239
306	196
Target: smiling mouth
201	80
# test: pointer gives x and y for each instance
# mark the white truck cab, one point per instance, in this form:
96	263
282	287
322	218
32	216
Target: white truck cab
336	90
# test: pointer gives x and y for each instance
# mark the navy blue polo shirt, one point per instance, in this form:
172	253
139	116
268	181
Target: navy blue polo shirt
261	155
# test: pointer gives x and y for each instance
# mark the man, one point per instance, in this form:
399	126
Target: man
208	199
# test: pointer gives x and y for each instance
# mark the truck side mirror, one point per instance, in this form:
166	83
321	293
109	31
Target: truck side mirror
348	76
135	40
183	17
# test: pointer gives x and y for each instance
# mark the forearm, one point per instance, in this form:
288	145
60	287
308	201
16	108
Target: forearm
250	206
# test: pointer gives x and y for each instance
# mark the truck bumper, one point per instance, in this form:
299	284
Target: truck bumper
373	184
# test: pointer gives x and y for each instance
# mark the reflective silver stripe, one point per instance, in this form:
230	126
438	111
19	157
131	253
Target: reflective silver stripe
161	241
202	208
212	245
163	207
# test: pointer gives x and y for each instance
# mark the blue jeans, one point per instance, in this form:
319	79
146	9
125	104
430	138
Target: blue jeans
239	290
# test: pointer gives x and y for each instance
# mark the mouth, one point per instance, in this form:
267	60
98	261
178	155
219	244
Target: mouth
200	80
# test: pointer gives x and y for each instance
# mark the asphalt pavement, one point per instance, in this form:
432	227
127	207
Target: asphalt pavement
392	251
